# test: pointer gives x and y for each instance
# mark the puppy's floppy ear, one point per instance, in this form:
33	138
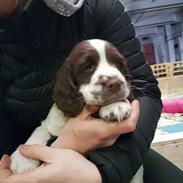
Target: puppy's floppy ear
66	95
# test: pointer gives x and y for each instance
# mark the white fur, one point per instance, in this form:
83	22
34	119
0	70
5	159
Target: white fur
50	126
18	162
54	121
105	70
138	177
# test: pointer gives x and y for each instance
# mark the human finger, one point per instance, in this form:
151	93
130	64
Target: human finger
5	162
135	111
37	152
129	124
4	167
135	108
7	176
88	110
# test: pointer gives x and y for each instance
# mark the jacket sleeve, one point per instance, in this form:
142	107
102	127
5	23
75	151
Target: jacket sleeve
121	161
8	135
9	132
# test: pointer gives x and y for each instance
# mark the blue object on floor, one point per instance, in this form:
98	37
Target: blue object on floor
173	128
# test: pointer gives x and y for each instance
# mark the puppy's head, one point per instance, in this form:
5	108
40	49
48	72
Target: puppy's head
94	73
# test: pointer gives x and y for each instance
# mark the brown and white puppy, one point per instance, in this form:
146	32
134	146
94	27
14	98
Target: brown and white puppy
95	73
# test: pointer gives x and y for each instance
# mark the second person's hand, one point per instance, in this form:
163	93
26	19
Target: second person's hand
84	133
61	165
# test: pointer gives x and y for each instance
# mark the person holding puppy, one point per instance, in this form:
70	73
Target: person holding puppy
34	35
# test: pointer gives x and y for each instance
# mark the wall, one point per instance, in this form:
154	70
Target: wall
161	22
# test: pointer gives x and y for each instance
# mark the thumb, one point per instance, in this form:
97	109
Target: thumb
135	109
5	162
129	124
37	152
88	110
4	167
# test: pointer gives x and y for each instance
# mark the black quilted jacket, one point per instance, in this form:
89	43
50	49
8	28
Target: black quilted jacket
30	46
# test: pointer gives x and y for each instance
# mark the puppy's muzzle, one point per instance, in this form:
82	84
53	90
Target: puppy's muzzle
112	84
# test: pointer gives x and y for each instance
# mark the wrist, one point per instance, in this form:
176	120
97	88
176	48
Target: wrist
63	142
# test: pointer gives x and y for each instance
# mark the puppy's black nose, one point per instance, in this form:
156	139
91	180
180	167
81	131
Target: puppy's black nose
112	84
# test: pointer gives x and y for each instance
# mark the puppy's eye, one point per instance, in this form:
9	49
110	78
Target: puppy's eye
88	66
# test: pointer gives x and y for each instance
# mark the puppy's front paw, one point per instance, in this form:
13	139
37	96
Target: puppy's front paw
19	163
117	111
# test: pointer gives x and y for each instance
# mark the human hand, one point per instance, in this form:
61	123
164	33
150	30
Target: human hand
61	165
84	133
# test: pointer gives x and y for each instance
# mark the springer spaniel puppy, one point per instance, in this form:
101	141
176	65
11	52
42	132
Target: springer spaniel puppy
95	73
